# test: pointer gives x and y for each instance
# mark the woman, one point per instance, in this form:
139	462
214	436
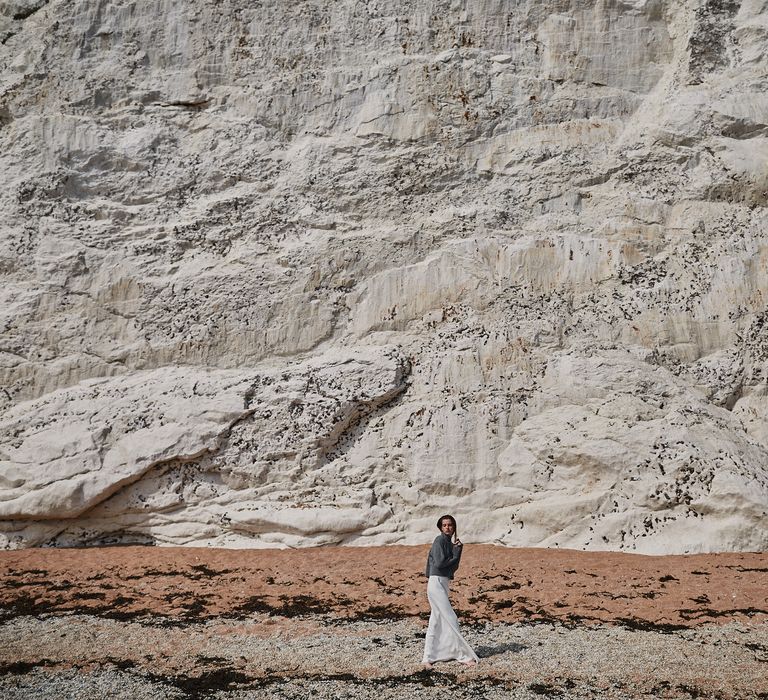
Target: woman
444	641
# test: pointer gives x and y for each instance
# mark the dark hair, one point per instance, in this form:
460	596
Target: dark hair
446	517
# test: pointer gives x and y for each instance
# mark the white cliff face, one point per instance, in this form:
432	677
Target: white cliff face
317	273
177	453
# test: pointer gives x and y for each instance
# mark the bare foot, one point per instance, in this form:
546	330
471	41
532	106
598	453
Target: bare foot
470	662
427	665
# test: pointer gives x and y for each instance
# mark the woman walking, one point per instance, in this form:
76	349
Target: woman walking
444	641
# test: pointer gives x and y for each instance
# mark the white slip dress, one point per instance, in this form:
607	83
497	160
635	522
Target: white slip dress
444	641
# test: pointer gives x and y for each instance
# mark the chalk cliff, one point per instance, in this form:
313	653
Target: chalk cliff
295	273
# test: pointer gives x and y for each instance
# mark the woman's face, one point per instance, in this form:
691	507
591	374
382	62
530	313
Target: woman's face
446	526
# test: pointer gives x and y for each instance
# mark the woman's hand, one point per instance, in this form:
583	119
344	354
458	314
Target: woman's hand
457	543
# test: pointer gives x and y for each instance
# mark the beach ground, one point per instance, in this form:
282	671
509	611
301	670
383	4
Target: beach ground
152	622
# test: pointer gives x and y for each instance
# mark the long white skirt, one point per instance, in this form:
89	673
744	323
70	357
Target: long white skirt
444	641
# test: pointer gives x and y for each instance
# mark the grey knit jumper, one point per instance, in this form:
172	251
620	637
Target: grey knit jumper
443	559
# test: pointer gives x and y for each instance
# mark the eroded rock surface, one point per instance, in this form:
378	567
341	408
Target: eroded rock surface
209	453
306	273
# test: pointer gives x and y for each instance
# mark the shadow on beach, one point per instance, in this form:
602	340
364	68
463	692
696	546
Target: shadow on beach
485	652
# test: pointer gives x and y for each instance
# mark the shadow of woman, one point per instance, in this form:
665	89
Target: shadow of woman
485	652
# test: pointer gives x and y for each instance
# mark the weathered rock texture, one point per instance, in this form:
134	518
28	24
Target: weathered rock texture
308	272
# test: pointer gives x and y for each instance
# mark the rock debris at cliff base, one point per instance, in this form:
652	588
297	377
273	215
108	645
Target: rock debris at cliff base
192	623
307	273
